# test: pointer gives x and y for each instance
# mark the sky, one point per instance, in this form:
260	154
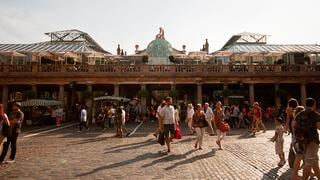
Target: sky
185	22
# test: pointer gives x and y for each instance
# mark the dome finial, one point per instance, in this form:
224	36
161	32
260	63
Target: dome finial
161	34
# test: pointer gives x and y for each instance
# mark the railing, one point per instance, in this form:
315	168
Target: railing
178	69
19	68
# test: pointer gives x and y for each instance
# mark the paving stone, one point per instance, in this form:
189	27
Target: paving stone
67	154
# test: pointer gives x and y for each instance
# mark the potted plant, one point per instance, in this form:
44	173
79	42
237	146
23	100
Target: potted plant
281	93
30	94
143	93
227	92
145	59
174	93
85	95
172	59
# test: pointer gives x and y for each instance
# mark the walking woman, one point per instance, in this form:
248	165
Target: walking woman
257	118
199	123
190	112
4	124
218	116
16	118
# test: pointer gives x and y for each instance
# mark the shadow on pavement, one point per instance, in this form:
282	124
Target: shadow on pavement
170	157
86	141
191	160
131	146
123	163
271	174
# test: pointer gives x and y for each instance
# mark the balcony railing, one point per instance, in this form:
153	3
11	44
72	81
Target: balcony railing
145	69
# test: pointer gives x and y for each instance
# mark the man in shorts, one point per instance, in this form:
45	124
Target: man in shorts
308	122
168	122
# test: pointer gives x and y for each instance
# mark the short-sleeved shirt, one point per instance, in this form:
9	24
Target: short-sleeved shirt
235	112
280	130
83	116
307	121
218	117
190	113
209	113
59	112
167	112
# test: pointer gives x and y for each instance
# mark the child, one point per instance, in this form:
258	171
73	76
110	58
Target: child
278	139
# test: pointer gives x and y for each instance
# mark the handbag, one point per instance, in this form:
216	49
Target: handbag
161	139
224	127
178	133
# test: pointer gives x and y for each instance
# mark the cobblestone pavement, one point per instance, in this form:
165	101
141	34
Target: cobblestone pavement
96	154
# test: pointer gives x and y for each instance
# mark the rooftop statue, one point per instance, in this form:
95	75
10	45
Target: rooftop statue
161	34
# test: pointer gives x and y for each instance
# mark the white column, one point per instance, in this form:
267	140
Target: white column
303	94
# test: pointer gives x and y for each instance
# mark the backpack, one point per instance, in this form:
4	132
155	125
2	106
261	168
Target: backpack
302	126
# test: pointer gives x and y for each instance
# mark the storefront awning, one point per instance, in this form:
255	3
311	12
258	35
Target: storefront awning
40	102
111	98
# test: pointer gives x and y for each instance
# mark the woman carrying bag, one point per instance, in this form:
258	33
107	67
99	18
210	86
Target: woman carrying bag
219	120
199	123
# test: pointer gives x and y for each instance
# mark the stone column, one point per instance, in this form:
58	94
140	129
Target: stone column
34	89
277	98
251	93
173	88
303	94
199	93
90	103
225	99
5	97
143	101
116	90
61	93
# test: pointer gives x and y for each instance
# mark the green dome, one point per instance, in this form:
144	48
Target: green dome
159	48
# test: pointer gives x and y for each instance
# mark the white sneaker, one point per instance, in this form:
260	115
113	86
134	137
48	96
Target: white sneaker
10	161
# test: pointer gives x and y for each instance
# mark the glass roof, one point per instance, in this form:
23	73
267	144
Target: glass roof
159	48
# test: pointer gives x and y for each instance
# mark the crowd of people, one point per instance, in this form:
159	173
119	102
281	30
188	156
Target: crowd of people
302	123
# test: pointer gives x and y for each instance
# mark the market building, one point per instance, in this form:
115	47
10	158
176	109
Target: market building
72	66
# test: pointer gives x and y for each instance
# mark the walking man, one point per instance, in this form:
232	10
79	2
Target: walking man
83	118
16	118
306	131
168	121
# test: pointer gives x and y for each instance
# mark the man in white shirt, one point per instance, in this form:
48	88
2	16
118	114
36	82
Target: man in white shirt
83	118
159	119
168	121
123	119
209	117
